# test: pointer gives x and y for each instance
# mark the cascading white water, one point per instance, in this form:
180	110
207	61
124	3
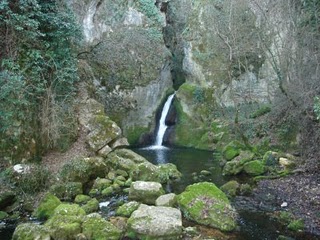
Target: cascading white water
162	122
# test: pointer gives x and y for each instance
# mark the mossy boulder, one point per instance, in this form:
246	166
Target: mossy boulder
31	231
82	199
103	131
83	169
235	166
232	150
145	192
95	227
150	222
124	159
254	168
168	172
91	206
66	191
145	172
206	204
107	191
101	183
230	188
232	168
127	209
47	206
65	224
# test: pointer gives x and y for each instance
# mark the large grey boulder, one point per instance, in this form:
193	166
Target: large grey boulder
145	192
206	204
150	222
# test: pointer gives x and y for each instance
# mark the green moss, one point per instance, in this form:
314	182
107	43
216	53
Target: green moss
64	227
47	206
107	191
232	150
82	199
127	209
95	227
296	225
254	168
207	204
230	188
66	221
133	134
30	231
188	133
101	183
91	206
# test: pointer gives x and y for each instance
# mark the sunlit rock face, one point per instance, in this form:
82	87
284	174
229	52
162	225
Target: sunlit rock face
124	59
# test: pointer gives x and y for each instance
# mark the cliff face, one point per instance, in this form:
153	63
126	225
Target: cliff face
124	59
235	61
229	61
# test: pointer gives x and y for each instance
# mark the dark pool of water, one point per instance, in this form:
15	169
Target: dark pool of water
189	162
253	225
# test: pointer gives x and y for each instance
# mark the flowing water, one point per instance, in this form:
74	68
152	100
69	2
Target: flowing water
162	122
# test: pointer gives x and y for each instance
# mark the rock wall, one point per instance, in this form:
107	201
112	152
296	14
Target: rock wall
232	53
124	59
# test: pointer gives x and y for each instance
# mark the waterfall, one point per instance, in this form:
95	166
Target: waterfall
162	122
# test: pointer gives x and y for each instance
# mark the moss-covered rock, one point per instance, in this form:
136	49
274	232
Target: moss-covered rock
83	169
101	183
206	204
145	172
232	150
107	191
91	206
127	209
230	188
95	227
66	191
254	168
145	192
46	206
235	166
168	172
82	199
103	131
65	224
31	231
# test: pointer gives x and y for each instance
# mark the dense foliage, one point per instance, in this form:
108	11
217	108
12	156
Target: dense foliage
37	76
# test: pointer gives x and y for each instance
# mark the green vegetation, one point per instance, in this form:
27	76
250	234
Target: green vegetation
296	225
37	77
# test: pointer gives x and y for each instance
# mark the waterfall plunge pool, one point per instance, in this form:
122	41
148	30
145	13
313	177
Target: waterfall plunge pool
253	224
